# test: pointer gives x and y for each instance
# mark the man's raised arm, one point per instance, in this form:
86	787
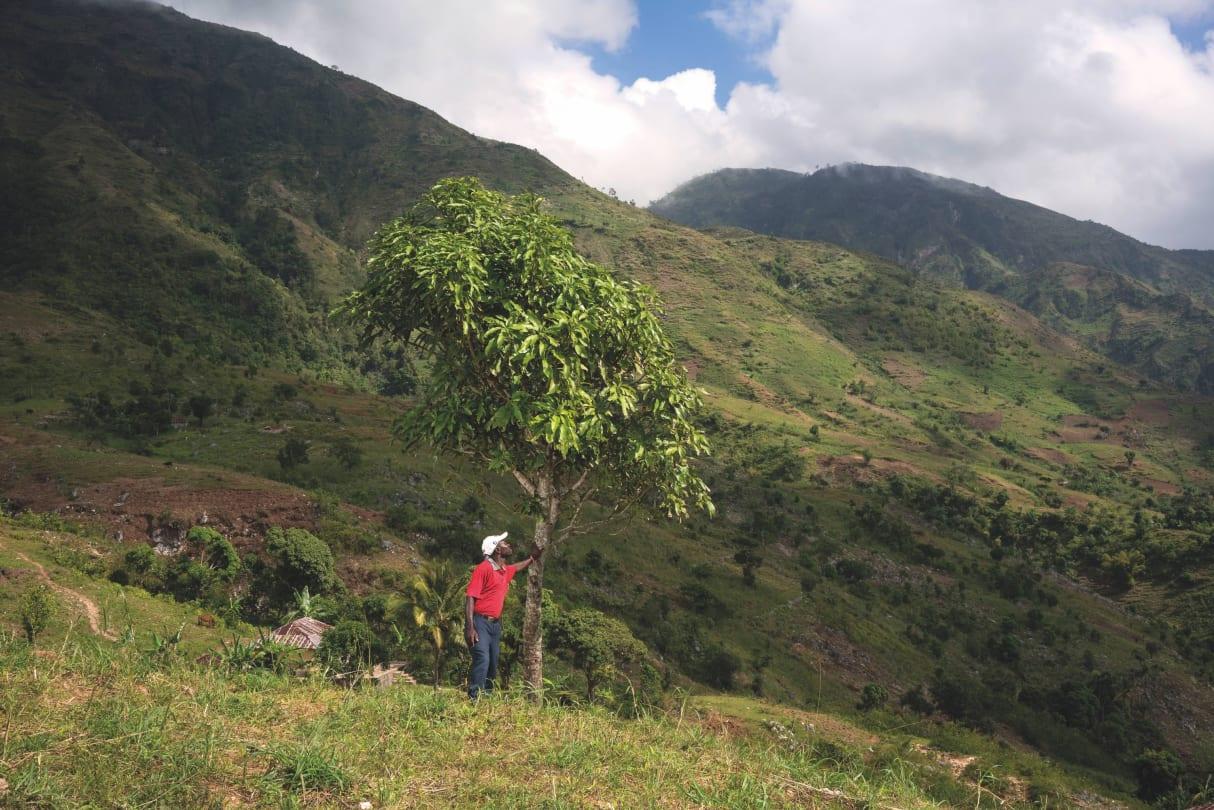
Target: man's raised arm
536	553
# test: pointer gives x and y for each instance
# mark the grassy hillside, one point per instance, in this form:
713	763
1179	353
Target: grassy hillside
922	489
127	721
1144	306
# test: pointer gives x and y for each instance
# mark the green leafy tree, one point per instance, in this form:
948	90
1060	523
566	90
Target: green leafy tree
293	453
306	605
346	646
543	365
873	696
1159	772
214	552
435	602
346	452
36	609
595	643
201	406
304	561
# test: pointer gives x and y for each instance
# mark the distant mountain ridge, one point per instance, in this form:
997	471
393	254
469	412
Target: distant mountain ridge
1159	320
954	229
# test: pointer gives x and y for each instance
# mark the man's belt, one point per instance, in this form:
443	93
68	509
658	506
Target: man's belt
488	618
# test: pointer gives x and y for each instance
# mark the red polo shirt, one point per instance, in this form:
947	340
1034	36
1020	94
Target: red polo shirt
488	587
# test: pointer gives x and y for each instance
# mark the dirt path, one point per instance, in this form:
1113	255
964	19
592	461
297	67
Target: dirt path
90	607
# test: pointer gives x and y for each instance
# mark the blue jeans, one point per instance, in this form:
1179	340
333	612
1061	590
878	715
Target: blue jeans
484	654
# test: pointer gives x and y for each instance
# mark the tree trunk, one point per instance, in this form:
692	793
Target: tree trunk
438	668
533	638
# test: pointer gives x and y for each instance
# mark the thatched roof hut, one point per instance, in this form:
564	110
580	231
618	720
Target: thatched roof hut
304	633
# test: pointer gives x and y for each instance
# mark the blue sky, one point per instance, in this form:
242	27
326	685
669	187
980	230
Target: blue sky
1192	31
675	36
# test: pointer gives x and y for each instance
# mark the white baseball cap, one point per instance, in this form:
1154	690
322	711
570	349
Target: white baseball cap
489	544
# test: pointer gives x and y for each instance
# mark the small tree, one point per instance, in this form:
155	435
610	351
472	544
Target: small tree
304	561
435	601
1159	772
305	605
36	609
346	452
1130	455
872	697
595	643
201	407
543	365
293	453
214	552
346	646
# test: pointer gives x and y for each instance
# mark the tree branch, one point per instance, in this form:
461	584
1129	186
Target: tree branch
620	507
576	485
524	482
572	525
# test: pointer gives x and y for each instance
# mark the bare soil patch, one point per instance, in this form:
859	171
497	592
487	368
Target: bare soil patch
151	510
903	373
983	421
1049	454
1162	487
1153	412
852	468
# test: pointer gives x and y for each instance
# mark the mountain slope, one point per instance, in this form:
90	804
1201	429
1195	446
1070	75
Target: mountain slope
954	229
200	181
896	460
971	235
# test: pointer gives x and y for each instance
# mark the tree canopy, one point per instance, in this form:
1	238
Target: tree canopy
541	360
542	364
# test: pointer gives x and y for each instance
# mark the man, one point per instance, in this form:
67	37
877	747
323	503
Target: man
483	609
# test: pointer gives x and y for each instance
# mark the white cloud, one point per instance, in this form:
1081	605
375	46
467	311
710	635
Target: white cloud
1091	107
749	20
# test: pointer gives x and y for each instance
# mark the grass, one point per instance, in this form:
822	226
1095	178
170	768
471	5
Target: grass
85	724
88	723
93	722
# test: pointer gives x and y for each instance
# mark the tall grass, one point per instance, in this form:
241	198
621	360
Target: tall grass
86	724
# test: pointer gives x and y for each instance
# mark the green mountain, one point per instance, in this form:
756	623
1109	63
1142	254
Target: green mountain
926	489
1151	309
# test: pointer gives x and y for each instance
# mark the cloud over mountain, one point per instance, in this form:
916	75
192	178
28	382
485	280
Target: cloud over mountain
1092	107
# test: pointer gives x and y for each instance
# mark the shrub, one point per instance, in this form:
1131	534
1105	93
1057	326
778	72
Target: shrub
293	453
719	667
1158	772
916	700
346	646
347	453
703	601
36	609
851	570
140	560
214	552
303	559
872	697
